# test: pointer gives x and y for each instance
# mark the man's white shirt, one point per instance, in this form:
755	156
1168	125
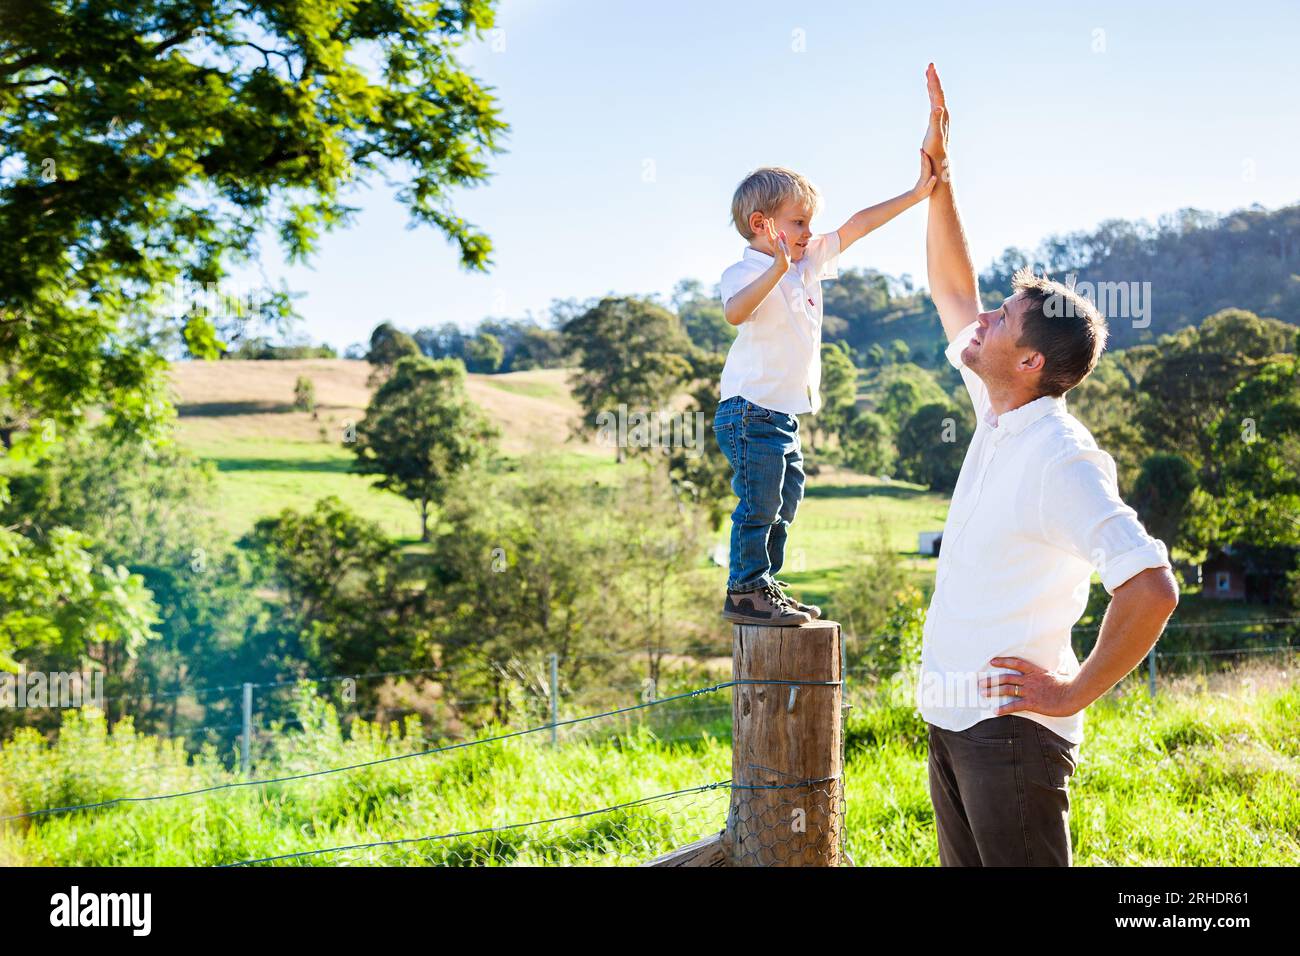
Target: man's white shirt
1035	511
776	359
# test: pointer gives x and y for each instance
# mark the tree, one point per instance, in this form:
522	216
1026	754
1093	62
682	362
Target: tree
702	317
932	445
304	395
420	430
703	473
155	142
149	509
1186	385
1252	494
538	348
444	341
630	352
388	346
839	391
1162	494
55	594
903	389
342	605
879	604
484	353
868	444
513	582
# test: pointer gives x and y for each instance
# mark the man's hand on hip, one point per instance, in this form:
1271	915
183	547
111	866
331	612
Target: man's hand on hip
1032	688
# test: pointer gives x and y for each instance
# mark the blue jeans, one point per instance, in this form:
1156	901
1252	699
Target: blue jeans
762	446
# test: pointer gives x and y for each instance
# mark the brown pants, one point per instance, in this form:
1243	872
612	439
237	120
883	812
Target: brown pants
1000	793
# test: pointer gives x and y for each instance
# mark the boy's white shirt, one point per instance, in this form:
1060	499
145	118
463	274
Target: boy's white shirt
776	360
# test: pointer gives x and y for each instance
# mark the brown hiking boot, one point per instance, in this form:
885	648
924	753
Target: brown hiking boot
767	605
812	610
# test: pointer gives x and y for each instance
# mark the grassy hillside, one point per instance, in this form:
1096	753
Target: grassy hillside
269	456
240	416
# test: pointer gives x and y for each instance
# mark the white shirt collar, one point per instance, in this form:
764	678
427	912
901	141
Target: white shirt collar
757	255
1016	420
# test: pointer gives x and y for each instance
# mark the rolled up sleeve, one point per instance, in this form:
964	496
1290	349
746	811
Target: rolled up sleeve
1081	511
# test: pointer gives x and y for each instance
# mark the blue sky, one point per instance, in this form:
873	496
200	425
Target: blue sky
633	122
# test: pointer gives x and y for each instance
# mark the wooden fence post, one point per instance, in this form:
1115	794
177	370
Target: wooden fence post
786	777
787	732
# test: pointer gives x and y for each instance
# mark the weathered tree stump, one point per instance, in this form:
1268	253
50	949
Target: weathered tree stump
787	788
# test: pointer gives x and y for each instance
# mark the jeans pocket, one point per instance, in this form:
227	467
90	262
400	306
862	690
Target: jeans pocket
993	730
1059	756
757	413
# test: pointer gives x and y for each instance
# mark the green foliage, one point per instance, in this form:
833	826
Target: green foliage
55	595
899	390
881	610
839	389
868	444
304	394
155	142
1196	262
389	345
630	352
1185	386
513	581
147	508
1162	494
523	345
342	603
702	317
880	318
484	353
1253	483
420	430
259	348
702	474
932	445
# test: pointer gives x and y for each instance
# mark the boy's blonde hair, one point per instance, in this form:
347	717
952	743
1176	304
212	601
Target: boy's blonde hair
764	190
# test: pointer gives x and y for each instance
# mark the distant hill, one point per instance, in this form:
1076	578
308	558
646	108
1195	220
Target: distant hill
1195	262
232	400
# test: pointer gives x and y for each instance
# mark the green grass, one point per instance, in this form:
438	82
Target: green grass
1202	777
261	477
840	522
531	389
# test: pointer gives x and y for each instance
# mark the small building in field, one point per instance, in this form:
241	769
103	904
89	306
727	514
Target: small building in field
1247	573
929	542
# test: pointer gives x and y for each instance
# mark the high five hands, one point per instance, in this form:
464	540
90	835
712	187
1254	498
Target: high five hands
935	144
925	184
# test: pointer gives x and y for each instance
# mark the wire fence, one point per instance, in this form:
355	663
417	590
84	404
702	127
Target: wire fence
799	822
795	822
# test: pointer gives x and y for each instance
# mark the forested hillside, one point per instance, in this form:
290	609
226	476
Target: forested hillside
1196	263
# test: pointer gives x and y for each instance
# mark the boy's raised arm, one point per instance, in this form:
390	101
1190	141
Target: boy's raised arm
873	217
953	285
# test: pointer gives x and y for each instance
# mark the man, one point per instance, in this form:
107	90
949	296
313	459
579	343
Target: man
1036	510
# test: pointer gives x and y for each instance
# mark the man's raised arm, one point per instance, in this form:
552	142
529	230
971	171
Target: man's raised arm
953	285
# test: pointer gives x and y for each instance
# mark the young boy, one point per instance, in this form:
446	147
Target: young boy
773	372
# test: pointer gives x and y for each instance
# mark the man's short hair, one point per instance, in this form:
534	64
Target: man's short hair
1066	328
764	190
